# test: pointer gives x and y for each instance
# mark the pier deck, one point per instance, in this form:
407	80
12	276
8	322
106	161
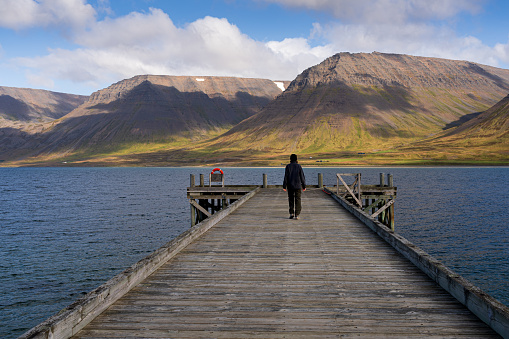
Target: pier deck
257	274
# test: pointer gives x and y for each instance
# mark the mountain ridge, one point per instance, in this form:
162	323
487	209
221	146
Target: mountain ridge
361	101
353	108
28	105
25	112
152	108
381	69
493	122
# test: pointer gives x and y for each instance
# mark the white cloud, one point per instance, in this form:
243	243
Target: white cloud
502	51
149	43
134	29
299	53
385	37
415	39
17	14
416	27
21	14
39	81
385	11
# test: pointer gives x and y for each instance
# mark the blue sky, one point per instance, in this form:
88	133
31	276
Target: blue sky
81	46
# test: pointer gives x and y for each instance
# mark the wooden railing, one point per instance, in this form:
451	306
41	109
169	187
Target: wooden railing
376	200
208	200
354	190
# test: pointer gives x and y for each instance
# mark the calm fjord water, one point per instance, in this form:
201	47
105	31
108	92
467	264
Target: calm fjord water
65	231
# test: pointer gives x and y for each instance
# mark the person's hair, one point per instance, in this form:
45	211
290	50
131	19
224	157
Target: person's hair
293	157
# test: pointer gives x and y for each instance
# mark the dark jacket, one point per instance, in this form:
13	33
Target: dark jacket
294	177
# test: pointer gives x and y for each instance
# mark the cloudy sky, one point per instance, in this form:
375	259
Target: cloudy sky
80	46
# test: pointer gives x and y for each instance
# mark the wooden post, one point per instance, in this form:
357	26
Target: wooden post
193	216
382	180
264	180
320	180
390	212
391	217
193	210
202	180
337	185
200	213
359	193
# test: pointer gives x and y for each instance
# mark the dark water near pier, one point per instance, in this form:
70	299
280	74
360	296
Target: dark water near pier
65	231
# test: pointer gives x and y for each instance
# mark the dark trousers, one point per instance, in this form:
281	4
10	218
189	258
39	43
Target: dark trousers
294	200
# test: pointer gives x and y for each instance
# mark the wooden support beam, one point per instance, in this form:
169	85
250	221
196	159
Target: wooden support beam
200	208
377	196
350	190
383	208
367	208
391	219
215	196
193	215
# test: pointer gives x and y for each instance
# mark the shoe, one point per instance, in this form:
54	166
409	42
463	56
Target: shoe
297	217
291	216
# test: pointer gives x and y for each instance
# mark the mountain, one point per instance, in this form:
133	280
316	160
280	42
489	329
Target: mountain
483	139
152	108
170	104
491	124
356	109
24	105
368	102
25	112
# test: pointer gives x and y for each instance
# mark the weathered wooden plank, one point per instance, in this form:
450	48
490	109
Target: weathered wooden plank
257	274
357	195
259	334
214	196
77	315
203	210
383	208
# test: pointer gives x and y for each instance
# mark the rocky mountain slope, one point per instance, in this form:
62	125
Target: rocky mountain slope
153	108
482	140
368	102
484	137
25	112
34	105
366	108
23	106
492	124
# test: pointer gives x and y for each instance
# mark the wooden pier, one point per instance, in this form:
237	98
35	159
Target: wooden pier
378	200
248	271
